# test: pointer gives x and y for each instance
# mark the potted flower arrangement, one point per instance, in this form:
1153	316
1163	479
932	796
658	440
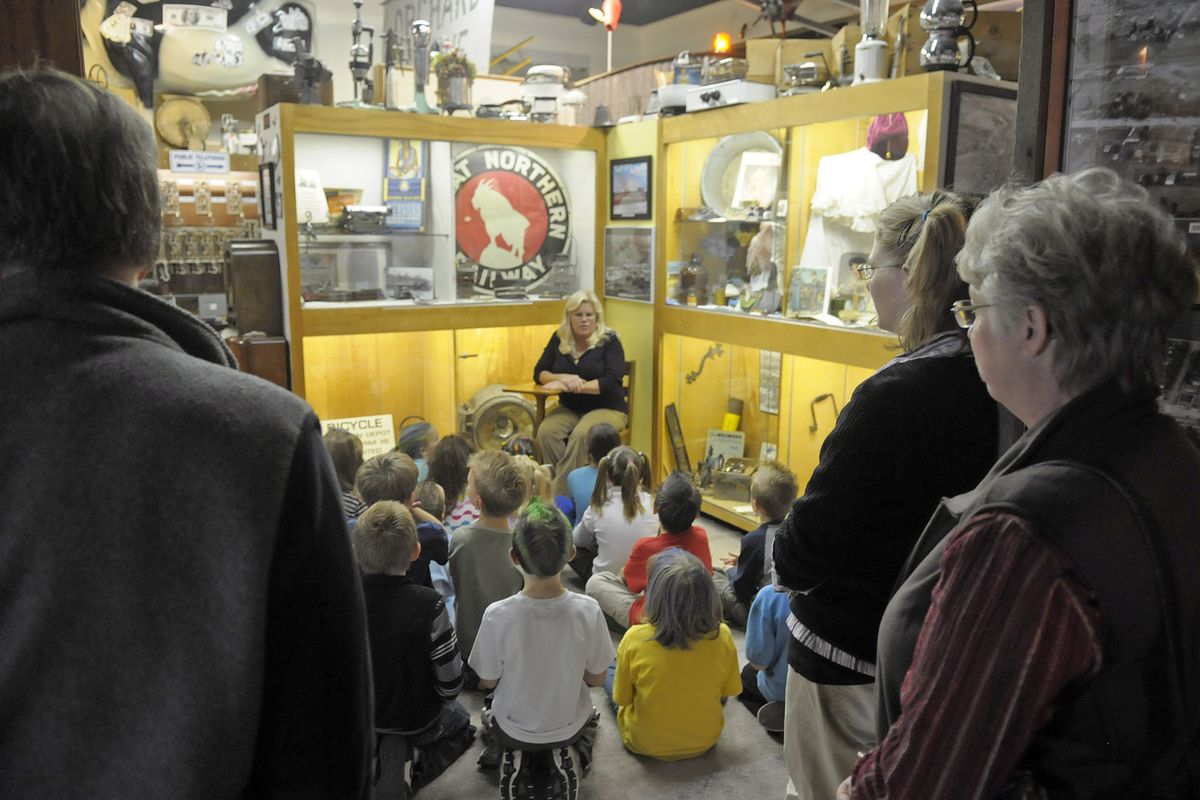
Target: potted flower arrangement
455	74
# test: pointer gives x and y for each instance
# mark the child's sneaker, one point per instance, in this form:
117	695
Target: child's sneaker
516	776
770	716
564	774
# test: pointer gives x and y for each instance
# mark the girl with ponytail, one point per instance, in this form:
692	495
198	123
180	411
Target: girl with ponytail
621	512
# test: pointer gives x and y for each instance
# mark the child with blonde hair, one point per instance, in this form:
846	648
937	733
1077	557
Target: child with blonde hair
393	476
621	512
419	727
674	671
773	488
479	564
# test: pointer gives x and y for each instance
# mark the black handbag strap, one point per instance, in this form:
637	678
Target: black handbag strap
1154	540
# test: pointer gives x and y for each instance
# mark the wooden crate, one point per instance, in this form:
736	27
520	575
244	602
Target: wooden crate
767	57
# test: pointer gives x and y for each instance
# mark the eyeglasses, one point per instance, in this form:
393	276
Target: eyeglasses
964	312
866	270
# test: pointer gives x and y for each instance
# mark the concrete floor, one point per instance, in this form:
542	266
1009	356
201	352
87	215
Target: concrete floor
746	763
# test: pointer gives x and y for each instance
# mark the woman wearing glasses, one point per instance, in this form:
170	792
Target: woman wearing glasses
1060	647
919	429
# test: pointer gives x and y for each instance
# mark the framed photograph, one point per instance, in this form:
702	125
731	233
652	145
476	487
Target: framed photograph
629	263
410	283
980	137
757	180
629	183
808	293
720	446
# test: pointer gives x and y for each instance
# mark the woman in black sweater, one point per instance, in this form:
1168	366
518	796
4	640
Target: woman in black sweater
921	428
585	361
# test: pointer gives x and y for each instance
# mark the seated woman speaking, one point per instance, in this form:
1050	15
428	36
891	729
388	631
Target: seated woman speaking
585	361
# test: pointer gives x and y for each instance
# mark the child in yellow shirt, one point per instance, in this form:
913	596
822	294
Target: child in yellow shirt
673	672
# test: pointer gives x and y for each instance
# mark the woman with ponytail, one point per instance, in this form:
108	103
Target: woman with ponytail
921	428
621	512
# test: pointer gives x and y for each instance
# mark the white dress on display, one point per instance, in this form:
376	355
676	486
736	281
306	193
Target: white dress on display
852	188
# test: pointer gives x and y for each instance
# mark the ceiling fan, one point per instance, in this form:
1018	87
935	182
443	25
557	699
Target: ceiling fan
784	11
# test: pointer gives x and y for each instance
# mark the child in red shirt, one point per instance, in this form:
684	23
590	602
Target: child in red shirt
677	504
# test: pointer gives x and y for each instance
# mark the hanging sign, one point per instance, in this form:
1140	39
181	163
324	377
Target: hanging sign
511	215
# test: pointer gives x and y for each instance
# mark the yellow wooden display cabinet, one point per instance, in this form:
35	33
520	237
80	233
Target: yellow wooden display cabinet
788	376
405	357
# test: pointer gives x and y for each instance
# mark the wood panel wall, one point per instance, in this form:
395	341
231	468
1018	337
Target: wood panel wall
421	373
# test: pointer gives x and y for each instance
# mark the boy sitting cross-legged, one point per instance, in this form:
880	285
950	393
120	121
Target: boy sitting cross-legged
772	490
479	564
677	504
420	728
393	476
541	650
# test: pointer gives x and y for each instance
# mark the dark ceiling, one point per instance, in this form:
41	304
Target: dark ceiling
634	12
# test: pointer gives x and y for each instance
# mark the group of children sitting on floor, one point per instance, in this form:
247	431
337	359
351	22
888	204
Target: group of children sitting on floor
492	591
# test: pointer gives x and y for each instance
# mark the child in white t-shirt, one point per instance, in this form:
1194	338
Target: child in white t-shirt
621	513
541	650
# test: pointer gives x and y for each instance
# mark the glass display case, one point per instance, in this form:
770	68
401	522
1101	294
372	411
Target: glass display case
727	407
419	253
441	376
771	221
765	328
1132	102
412	221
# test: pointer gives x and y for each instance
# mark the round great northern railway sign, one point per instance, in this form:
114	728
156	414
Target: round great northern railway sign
511	215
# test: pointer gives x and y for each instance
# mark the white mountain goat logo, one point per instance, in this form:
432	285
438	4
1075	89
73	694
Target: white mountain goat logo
512	215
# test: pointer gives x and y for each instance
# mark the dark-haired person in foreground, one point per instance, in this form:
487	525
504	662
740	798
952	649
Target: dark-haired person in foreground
180	613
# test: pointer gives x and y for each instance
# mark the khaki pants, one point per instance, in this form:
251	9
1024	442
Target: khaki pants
613	595
562	437
825	727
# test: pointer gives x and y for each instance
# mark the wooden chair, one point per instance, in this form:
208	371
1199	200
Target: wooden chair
627	385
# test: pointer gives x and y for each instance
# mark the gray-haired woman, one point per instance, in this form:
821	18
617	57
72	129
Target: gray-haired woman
1060	650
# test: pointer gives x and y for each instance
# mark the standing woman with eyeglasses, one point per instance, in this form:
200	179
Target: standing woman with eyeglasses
1045	641
921	428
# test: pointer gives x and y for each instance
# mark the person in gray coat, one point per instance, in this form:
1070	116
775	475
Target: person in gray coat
180	614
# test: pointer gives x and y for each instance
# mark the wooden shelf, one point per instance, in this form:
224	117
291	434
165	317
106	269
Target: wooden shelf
402	124
388	318
856	347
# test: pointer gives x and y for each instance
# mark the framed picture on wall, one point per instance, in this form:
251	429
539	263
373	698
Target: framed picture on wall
629	184
629	263
808	293
981	135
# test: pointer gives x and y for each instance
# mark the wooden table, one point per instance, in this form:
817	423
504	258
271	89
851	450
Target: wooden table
539	393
